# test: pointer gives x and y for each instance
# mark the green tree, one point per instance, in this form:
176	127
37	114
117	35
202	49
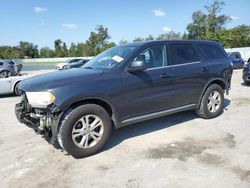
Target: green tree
204	24
231	38
9	52
46	52
169	36
65	50
28	50
123	41
149	37
138	39
198	27
60	48
97	40
72	50
216	22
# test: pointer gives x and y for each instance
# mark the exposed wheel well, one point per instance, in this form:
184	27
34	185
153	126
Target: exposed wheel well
99	102
218	82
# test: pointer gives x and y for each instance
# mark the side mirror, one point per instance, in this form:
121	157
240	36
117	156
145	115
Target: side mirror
137	65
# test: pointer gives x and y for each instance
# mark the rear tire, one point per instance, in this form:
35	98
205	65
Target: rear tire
212	102
85	130
4	74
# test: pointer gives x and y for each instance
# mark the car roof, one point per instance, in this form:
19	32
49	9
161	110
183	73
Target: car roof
143	43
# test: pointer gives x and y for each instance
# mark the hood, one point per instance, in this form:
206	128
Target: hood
59	78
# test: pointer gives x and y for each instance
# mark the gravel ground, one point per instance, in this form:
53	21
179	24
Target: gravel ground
180	150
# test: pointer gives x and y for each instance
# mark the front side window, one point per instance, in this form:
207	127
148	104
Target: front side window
154	56
183	54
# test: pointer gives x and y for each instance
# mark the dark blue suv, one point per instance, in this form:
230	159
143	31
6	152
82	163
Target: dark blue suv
125	85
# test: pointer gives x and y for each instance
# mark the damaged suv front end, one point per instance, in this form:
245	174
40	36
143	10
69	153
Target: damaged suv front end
44	98
36	110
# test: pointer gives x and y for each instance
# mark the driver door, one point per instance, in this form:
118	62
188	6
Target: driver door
150	90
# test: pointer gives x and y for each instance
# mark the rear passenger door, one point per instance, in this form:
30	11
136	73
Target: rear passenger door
189	71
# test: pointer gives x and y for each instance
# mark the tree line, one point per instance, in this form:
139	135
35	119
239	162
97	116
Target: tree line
208	25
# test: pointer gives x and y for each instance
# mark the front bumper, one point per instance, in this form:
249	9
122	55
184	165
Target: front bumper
42	121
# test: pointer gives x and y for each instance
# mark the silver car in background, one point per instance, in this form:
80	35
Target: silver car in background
10	85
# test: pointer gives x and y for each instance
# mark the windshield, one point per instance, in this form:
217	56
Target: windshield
110	57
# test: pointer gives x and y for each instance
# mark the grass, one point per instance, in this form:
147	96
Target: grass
41	63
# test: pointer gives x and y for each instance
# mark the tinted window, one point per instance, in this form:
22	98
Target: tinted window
212	52
235	55
1	63
183	53
153	56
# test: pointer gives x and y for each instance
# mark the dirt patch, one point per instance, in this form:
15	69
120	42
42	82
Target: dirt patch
50	171
210	159
243	174
229	141
102	168
183	150
132	183
241	101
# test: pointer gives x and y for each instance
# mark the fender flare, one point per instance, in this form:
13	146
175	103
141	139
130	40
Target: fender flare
209	83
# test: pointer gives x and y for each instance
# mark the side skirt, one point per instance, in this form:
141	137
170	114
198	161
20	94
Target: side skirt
156	115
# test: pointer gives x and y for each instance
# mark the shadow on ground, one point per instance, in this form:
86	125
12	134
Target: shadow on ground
7	95
146	127
244	84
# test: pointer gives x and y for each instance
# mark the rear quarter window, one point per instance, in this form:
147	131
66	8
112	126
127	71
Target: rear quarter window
212	52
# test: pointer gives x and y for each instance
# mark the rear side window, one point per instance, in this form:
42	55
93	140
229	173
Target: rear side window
212	52
1	63
183	54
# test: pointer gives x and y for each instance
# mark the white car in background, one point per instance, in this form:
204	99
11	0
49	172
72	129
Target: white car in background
10	85
61	66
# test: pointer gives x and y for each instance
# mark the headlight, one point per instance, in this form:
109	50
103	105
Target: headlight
40	99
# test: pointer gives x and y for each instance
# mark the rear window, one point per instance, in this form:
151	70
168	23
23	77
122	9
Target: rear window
235	55
183	54
212	52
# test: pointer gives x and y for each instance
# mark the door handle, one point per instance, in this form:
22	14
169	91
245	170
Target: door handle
164	76
204	69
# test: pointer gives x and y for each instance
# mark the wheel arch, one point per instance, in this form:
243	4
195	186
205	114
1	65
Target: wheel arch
217	81
98	101
14	85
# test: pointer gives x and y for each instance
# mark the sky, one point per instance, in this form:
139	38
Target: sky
43	21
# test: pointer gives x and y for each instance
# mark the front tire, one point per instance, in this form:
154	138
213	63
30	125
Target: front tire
212	102
246	82
85	130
